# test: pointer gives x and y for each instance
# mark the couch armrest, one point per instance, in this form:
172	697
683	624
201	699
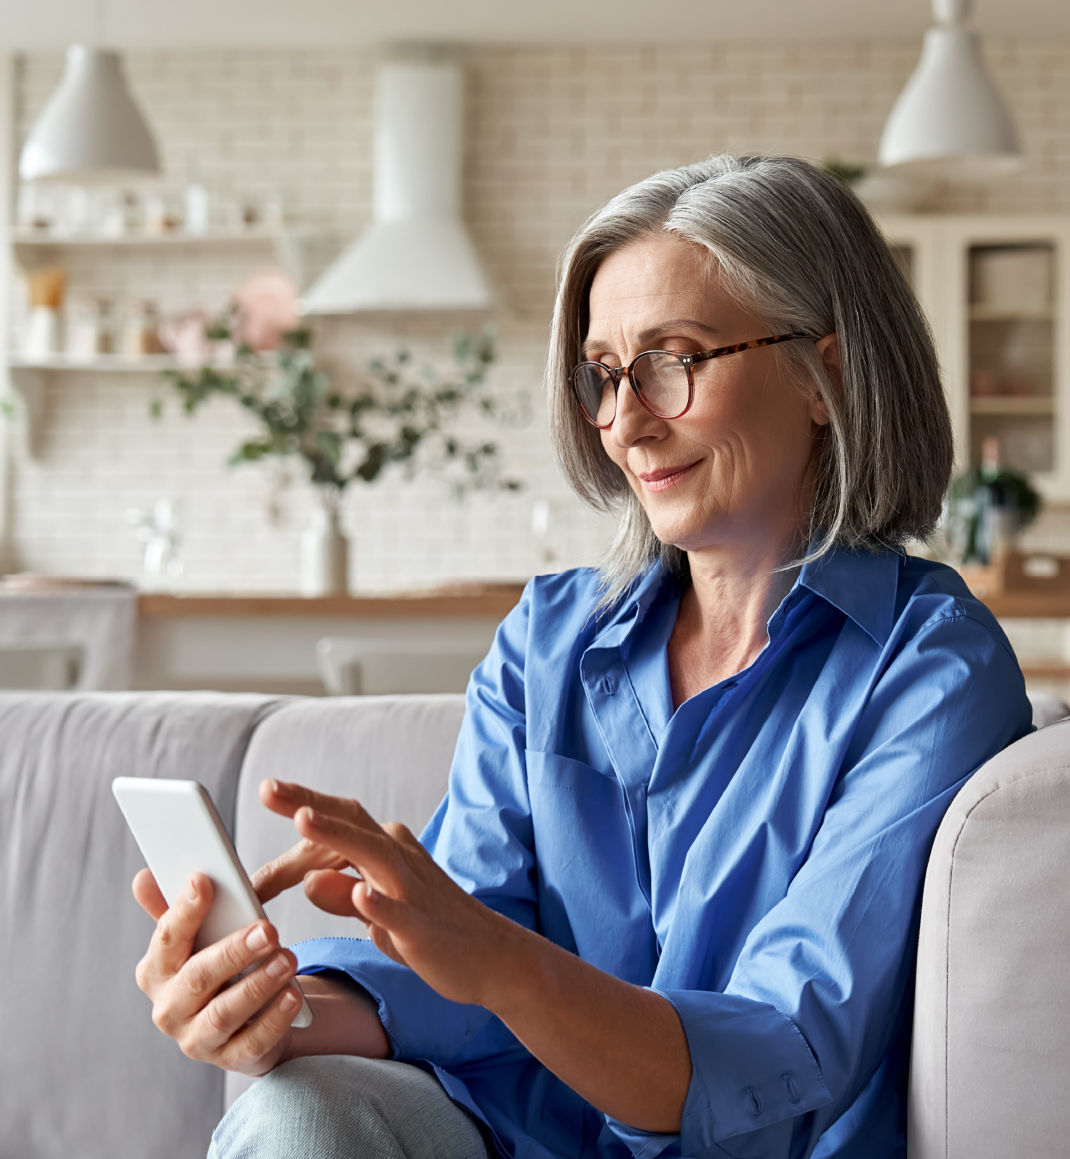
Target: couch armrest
991	1047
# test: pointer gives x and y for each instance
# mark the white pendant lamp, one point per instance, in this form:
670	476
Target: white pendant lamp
90	129
950	120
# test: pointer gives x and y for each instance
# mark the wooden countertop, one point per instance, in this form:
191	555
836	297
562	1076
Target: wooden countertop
460	599
491	600
484	600
1029	605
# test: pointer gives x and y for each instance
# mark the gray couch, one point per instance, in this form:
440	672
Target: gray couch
84	1073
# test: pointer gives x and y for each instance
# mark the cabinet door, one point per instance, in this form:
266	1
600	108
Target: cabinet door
915	246
1003	339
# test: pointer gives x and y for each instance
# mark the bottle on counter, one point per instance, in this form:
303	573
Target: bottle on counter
161	562
994	520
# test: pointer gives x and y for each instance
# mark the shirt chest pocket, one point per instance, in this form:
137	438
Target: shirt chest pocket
551	775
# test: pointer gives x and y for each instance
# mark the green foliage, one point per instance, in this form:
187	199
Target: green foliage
399	416
1012	489
976	497
847	171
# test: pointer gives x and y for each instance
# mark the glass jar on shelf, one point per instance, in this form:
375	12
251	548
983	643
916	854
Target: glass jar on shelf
83	329
140	332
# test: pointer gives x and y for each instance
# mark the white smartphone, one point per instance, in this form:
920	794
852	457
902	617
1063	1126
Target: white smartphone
179	832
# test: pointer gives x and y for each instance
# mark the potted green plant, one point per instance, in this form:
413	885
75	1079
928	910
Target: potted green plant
987	506
399	416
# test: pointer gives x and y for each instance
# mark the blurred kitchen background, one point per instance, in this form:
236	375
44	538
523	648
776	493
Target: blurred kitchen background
265	120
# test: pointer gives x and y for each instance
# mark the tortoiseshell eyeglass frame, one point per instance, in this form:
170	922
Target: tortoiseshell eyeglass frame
688	361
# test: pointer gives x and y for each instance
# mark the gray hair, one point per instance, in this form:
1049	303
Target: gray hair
794	246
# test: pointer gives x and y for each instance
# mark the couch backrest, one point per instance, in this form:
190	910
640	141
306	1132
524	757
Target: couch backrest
392	753
991	1050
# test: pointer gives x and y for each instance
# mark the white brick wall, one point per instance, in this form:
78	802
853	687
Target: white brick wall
552	132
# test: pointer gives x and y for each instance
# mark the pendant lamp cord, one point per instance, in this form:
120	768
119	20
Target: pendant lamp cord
951	13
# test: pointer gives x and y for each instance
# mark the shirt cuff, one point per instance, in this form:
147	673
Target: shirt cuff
419	1023
751	1069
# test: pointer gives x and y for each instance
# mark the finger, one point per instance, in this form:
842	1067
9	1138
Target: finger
331	891
371	853
228	1012
177	926
261	1033
147	894
212	970
289	868
286	797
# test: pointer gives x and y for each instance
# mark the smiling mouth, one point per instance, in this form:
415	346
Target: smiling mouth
665	478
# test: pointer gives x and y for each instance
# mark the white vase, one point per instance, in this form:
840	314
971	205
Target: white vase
324	554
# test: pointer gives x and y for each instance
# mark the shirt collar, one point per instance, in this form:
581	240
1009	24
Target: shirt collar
654	584
861	584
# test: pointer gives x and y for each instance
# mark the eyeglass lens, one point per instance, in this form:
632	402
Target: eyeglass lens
658	377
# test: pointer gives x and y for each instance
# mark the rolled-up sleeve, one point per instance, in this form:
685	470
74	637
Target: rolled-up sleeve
822	984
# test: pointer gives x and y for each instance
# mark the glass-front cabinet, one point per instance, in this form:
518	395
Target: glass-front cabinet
997	293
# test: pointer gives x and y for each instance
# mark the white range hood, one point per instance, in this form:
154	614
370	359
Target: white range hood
416	255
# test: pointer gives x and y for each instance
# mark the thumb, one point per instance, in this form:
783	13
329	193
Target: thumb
147	894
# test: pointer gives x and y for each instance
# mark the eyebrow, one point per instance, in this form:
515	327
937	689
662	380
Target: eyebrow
648	335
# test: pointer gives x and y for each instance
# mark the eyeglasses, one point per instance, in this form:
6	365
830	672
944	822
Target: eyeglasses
662	380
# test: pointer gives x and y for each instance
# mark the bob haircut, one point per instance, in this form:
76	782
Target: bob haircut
794	246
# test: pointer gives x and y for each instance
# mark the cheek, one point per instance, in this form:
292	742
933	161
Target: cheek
609	447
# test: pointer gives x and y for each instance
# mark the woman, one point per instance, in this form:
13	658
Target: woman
668	906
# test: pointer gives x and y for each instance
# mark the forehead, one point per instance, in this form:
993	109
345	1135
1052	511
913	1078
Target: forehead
658	277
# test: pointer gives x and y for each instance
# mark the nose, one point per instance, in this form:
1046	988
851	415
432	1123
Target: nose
632	422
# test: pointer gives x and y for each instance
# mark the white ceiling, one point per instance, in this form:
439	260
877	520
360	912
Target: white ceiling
50	24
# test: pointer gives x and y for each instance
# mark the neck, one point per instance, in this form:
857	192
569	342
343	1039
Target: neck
720	628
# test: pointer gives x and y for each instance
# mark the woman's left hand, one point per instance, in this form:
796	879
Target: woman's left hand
415	913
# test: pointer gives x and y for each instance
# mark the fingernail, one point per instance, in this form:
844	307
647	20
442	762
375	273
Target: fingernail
191	891
278	966
312	817
256	939
289	1002
281	788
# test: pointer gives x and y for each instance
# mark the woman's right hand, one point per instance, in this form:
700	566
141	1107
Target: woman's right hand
241	1026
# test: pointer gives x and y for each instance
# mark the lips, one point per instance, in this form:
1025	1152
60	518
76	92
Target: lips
665	477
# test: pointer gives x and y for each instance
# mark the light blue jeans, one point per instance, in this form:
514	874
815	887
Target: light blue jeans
341	1107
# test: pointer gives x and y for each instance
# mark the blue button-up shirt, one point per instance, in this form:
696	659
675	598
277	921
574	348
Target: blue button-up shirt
755	856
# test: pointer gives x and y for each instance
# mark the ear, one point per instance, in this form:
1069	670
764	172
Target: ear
828	348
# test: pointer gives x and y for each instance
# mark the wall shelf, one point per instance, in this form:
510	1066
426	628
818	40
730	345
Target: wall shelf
47	239
981	313
1012	405
110	363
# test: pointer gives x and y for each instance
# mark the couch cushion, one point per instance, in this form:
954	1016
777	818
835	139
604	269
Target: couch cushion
82	1069
992	1017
